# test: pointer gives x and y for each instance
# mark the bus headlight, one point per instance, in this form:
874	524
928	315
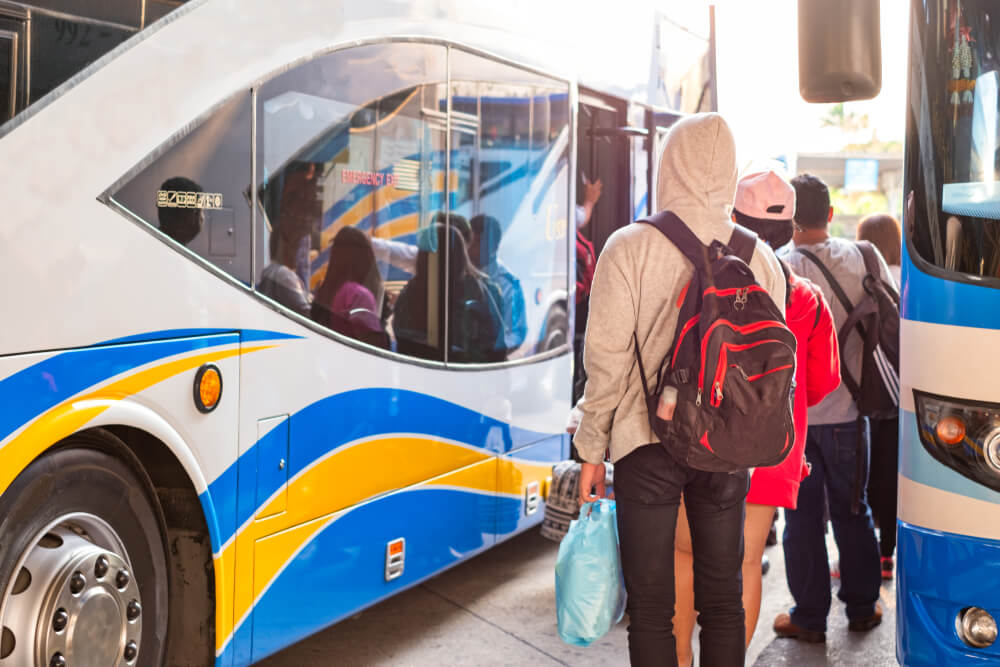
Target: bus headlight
976	627
963	435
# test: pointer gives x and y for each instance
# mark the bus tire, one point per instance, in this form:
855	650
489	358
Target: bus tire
83	563
556	331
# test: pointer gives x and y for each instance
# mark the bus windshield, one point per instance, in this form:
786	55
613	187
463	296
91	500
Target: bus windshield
953	123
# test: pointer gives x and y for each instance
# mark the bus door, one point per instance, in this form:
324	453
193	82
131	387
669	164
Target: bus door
605	154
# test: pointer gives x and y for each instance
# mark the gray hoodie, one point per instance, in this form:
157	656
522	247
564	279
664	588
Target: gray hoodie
639	278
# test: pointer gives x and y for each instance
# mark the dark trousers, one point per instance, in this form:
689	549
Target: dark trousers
883	481
832	451
648	488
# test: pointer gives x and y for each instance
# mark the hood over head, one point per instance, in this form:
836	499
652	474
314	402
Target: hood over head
697	177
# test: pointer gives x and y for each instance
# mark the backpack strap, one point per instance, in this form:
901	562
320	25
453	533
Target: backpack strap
788	282
874	269
680	235
642	371
852	385
742	243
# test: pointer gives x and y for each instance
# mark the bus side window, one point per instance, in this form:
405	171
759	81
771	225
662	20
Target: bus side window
511	181
196	192
350	159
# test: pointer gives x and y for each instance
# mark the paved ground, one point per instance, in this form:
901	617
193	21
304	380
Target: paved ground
499	609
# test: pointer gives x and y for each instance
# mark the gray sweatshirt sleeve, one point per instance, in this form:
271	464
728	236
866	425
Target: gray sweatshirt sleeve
607	353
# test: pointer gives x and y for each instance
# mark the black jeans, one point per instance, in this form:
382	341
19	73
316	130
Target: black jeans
883	481
648	488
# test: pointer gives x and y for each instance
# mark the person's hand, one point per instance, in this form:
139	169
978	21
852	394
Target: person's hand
592	192
591	475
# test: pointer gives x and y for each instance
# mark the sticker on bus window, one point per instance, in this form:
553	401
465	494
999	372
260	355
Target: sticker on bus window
376	178
180	199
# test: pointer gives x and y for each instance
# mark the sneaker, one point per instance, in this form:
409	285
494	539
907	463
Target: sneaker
867	623
783	627
765	565
887	567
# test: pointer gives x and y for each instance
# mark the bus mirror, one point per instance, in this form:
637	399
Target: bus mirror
840	50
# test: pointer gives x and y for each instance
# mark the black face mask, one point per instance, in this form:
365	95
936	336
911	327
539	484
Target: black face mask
777	233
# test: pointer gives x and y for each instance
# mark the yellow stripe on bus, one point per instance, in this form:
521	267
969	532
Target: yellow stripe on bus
335	484
70	416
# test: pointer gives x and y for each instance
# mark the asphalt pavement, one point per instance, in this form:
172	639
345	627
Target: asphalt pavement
499	609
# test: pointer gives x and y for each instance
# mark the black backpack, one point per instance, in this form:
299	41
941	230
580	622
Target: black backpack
876	319
732	361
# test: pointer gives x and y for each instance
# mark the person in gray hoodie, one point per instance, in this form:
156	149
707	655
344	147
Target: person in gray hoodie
638	282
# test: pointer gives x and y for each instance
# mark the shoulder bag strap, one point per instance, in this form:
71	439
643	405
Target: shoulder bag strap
852	385
874	270
834	285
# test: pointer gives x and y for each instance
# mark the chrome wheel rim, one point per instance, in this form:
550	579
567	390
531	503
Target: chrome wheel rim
71	600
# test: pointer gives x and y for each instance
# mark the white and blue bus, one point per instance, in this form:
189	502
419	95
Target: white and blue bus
194	469
949	482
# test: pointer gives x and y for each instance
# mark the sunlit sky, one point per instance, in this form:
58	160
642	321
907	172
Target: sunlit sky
757	61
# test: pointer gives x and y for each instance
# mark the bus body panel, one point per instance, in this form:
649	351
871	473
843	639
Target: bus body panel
948	550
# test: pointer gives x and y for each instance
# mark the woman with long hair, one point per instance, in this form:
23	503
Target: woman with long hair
347	299
882	230
474	314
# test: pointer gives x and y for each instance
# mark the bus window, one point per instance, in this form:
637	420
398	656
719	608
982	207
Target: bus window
350	160
8	55
953	168
512	183
61	47
196	190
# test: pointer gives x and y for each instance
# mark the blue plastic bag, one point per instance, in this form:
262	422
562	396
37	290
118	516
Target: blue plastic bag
590	592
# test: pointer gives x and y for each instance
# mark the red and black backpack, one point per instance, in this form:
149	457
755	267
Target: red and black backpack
732	361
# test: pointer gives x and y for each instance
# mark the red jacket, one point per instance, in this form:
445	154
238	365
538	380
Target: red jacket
817	373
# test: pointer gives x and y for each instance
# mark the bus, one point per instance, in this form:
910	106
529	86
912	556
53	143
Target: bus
288	298
948	587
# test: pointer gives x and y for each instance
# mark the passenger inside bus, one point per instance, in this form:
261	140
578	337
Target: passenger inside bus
473	318
347	299
181	223
486	234
298	210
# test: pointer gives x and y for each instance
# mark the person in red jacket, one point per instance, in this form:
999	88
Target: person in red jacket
765	204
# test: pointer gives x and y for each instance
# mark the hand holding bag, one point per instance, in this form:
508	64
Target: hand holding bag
590	591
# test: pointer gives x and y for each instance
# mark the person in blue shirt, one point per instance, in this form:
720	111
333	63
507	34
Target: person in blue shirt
485	243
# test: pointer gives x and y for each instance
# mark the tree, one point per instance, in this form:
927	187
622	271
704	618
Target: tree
845	121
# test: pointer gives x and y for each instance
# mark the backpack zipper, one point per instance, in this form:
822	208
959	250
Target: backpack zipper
745	329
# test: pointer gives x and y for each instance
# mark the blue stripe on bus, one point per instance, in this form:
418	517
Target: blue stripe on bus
40	387
344	564
917	464
332	422
246	335
927	298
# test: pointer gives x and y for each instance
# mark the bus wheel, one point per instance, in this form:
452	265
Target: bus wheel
83	569
556	329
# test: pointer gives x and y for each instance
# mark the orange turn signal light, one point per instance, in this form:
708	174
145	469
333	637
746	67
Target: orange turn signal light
950	430
207	388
